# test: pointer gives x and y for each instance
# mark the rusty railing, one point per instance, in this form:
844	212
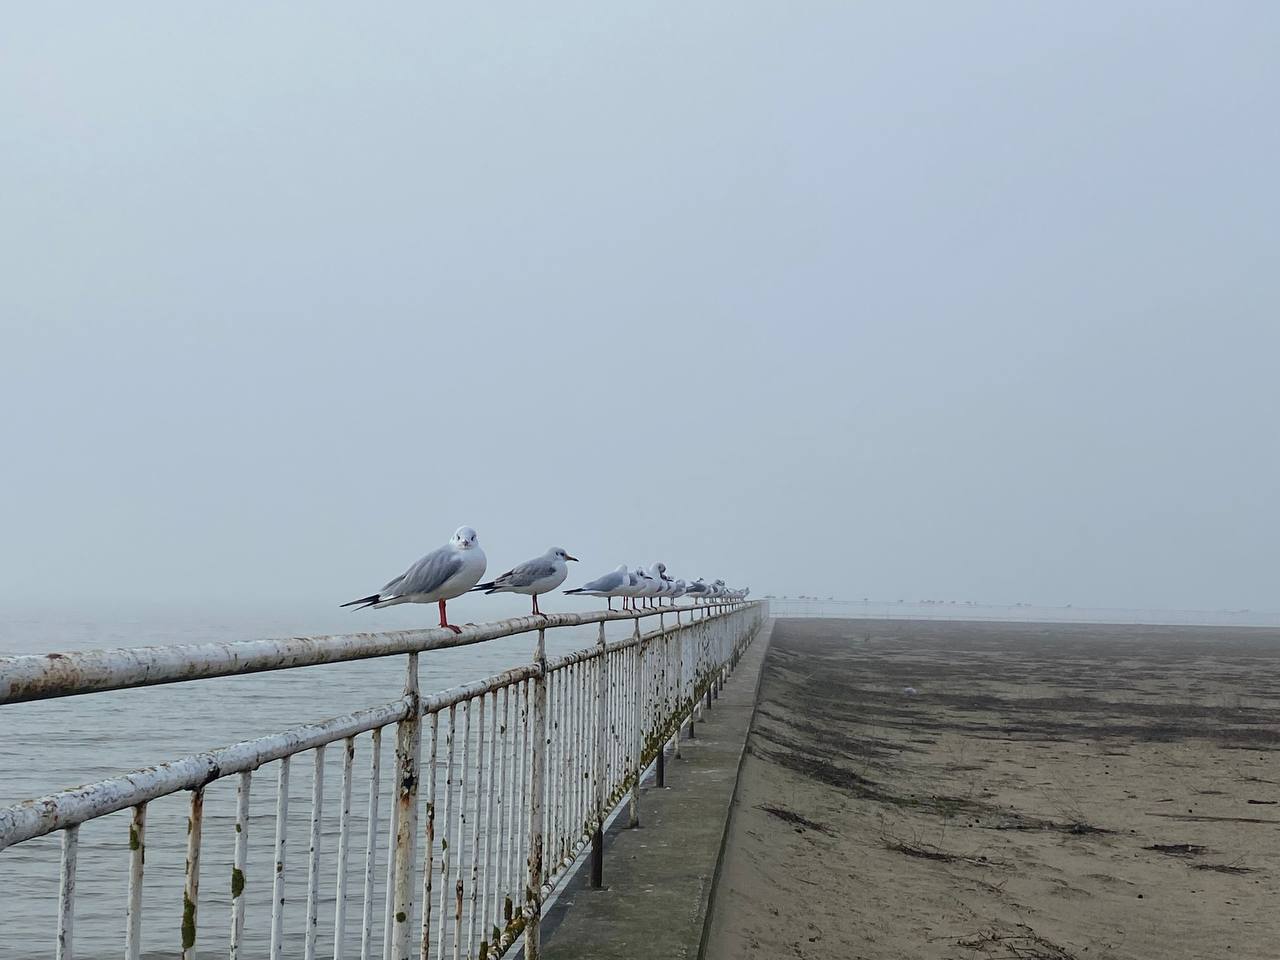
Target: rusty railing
520	773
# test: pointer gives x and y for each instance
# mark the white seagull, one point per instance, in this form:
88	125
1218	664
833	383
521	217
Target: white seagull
533	577
613	584
648	587
441	575
630	590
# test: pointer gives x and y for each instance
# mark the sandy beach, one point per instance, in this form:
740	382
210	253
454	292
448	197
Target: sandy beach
956	790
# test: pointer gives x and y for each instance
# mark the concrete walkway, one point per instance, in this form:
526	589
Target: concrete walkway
658	878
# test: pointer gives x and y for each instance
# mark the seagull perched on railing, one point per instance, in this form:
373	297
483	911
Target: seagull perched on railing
646	586
611	585
533	577
698	590
631	589
441	575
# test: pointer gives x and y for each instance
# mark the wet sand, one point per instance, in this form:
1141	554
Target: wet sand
1047	791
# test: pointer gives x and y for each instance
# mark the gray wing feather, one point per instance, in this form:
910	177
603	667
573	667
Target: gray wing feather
609	581
427	575
526	573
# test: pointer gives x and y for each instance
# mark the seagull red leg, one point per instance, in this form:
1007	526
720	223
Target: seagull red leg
444	620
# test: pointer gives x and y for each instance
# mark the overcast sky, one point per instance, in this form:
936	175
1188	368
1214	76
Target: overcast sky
968	301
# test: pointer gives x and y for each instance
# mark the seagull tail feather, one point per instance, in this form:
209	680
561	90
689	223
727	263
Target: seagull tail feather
363	602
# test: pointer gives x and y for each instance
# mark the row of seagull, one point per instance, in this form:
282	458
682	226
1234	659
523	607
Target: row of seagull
653	585
458	566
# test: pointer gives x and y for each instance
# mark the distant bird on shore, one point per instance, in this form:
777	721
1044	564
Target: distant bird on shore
441	575
612	584
533	577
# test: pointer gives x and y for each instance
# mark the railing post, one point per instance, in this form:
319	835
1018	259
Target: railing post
537	779
602	734
679	639
408	753
637	745
660	697
191	889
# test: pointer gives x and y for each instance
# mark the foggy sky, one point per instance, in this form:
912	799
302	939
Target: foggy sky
970	301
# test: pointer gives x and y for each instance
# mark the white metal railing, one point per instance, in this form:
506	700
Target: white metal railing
521	771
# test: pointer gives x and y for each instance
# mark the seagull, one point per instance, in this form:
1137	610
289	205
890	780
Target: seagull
539	575
609	586
441	575
648	586
665	583
698	590
658	572
630	590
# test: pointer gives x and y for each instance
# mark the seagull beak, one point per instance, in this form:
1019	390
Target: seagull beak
574	559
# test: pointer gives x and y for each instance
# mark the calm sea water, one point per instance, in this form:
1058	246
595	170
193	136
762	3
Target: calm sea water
46	746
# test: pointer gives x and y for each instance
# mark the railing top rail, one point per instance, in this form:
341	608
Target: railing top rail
46	676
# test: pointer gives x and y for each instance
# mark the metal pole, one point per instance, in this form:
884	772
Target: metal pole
408	752
137	859
239	865
637	719
601	719
67	893
537	777
679	708
191	889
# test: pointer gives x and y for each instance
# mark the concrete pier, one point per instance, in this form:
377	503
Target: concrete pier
658	878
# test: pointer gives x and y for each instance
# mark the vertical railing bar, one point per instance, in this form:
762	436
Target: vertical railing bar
520	855
429	838
586	745
344	845
446	840
459	886
599	760
65	949
371	845
487	871
137	861
548	779
576	753
505	805
191	888
408	757
240	864
477	807
277	883
313	855
533	889
393	831
561	801
559	807
637	722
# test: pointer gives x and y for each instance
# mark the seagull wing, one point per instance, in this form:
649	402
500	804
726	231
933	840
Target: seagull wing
427	575
526	573
610	581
